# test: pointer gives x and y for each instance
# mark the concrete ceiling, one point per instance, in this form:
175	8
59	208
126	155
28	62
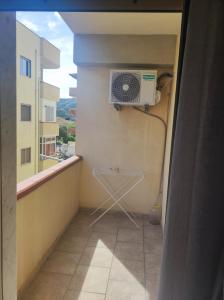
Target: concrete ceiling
123	23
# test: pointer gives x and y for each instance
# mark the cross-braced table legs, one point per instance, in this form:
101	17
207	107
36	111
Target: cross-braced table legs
114	196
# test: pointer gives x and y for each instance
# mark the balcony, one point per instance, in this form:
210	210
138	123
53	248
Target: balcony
49	129
50	55
49	92
73	92
68	259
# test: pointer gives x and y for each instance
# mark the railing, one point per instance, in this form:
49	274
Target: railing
42	157
46	204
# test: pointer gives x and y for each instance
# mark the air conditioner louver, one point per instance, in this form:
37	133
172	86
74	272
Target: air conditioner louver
126	87
133	87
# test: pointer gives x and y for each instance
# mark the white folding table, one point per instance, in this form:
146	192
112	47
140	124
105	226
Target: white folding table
117	183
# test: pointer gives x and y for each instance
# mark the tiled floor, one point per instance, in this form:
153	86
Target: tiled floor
110	261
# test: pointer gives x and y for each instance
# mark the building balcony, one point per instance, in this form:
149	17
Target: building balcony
49	91
112	259
73	92
50	55
49	129
65	258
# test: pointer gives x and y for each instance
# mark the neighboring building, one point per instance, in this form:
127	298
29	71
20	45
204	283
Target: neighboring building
36	103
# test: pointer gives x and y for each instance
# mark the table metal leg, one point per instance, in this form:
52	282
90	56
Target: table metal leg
116	202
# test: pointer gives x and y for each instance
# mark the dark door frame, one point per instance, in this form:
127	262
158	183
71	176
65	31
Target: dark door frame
8	168
8	156
93	5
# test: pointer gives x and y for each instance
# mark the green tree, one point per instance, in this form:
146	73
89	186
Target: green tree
71	138
63	133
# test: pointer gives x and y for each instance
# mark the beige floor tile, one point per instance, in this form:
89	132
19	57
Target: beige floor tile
152	279
90	279
152	287
47	286
102	240
130	235
75	295
153	232
122	290
146	222
84	210
111	218
79	230
83	219
105	226
87	254
72	244
99	257
126	223
152	263
45	293
128	270
131	251
79	233
153	246
62	262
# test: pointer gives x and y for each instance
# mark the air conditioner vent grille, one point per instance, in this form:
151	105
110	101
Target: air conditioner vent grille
126	87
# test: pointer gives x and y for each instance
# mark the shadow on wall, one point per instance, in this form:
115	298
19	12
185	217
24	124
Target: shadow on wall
125	139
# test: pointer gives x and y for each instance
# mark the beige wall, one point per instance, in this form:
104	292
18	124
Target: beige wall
123	23
169	136
49	129
126	139
124	49
50	55
49	91
28	45
35	93
57	198
47	163
108	138
43	103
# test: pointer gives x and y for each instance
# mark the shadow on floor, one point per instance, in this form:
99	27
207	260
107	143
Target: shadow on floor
113	260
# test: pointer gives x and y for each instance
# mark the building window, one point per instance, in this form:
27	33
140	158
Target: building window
25	156
25	112
49	113
25	66
48	146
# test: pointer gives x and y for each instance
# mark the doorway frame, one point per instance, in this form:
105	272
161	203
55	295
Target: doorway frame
8	290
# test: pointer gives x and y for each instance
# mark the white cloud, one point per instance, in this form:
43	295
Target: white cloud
30	25
51	25
65	44
57	15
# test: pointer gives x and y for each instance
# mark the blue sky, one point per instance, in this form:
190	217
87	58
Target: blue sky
51	26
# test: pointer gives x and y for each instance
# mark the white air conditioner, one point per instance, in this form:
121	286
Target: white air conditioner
133	87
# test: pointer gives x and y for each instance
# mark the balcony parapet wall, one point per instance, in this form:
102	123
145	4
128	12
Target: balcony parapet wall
46	204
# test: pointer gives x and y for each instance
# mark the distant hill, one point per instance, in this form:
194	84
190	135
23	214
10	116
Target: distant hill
66	107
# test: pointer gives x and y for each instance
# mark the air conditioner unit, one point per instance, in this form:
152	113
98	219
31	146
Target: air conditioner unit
133	87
